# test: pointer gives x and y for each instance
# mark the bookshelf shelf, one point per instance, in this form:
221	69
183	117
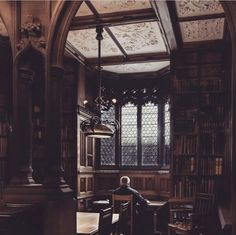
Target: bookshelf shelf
199	93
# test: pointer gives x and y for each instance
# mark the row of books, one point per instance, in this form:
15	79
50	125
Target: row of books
186	85
67	150
38	151
211	166
184	125
186	73
67	133
38	134
184	188
192	85
38	122
2	168
3	146
187	188
184	165
185	144
207	185
212	143
186	101
4	128
212	85
187	114
210	124
211	99
213	70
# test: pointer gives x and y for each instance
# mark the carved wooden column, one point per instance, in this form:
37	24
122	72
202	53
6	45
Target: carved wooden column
60	203
22	188
24	127
54	176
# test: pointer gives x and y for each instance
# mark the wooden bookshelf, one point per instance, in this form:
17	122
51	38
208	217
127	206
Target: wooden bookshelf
198	122
69	122
38	160
4	133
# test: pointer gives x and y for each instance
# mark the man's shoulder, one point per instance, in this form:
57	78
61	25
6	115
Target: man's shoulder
123	191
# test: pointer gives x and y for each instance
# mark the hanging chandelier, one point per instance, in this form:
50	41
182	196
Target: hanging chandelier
96	126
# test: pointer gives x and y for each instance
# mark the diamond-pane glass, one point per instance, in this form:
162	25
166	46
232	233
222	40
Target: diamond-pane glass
166	146
107	149
129	135
149	134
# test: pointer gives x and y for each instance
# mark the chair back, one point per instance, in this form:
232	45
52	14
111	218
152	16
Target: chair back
124	216
203	209
105	222
123	204
203	203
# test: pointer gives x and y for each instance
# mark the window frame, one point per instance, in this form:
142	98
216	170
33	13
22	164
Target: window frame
161	141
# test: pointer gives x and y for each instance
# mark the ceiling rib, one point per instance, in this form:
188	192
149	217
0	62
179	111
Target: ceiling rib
201	17
116	42
110	19
162	13
92	8
116	19
74	52
149	57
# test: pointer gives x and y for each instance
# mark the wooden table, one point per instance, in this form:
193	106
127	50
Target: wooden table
87	223
155	206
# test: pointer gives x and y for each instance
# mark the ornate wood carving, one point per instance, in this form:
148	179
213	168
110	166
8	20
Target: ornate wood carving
3	30
31	34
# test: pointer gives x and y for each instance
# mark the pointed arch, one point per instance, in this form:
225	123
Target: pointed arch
58	30
59	27
8	13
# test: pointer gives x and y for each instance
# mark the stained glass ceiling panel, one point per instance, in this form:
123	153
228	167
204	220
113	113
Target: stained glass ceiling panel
137	67
3	30
202	30
85	42
109	6
140	38
84	10
187	8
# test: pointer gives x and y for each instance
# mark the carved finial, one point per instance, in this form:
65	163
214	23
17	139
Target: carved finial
31	28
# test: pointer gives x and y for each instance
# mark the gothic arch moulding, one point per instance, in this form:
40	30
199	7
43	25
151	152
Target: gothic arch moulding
59	27
8	13
58	31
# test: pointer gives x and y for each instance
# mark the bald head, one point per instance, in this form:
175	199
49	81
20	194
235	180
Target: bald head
124	180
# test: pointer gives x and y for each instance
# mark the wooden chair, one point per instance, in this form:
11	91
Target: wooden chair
123	204
124	215
195	221
105	222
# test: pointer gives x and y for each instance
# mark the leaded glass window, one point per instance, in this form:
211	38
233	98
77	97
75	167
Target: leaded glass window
149	134
107	147
166	146
144	136
129	135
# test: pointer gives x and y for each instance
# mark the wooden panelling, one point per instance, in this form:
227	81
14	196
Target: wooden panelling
85	184
149	184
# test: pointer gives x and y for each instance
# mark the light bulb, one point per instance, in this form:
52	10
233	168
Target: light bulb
85	102
114	100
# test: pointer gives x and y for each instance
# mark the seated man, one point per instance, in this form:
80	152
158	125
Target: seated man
125	189
140	218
